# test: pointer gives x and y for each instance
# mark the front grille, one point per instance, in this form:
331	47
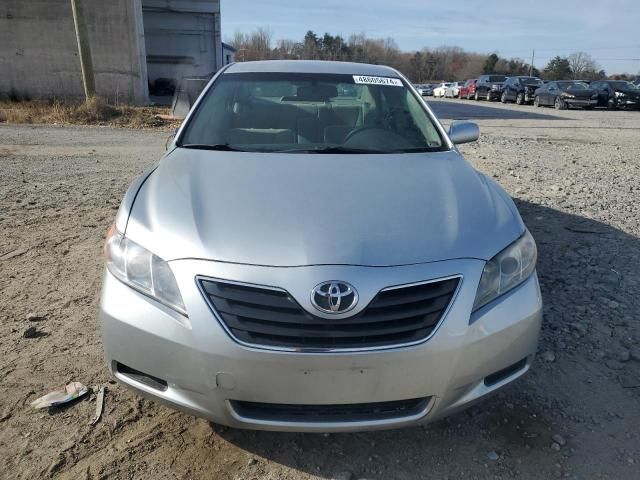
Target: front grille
272	318
355	412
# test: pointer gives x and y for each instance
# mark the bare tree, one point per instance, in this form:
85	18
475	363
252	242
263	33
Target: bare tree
582	65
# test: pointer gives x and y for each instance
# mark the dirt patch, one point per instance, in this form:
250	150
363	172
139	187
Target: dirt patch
575	415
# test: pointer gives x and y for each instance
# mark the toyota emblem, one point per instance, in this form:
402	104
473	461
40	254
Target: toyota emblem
334	297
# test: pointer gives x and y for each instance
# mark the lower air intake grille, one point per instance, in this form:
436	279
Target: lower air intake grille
357	412
269	317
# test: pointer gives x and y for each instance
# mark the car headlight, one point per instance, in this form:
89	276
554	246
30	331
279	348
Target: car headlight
508	269
620	95
567	95
142	270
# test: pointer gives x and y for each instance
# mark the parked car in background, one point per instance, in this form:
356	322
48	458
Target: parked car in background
440	89
468	90
565	94
453	90
425	90
615	94
520	89
489	87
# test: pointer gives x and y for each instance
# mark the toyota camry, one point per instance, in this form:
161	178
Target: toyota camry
313	253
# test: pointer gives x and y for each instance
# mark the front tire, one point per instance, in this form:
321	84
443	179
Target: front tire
536	101
611	104
520	99
503	97
559	104
476	97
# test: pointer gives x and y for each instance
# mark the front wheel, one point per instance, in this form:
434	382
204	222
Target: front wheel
476	97
611	104
559	104
520	99
468	95
536	101
503	97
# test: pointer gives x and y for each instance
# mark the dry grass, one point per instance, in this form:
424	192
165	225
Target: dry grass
93	112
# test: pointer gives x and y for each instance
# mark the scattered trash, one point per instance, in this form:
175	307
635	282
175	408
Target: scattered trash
60	396
99	405
36	317
31	332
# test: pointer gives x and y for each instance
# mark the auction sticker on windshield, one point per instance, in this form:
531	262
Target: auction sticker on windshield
377	80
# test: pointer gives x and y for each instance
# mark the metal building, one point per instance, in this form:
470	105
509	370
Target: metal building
133	44
182	39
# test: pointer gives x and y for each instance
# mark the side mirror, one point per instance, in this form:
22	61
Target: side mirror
170	138
463	132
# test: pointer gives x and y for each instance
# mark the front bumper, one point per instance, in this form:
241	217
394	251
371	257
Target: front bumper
204	371
630	103
581	102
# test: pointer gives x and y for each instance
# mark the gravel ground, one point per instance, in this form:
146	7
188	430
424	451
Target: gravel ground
574	175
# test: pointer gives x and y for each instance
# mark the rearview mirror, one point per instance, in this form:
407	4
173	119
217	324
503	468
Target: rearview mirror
463	132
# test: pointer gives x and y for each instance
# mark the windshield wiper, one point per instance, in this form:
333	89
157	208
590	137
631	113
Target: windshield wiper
334	149
418	150
223	147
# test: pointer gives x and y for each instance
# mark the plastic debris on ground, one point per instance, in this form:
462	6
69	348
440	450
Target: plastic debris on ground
99	403
60	396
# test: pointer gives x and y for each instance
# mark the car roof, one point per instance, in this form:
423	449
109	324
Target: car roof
312	66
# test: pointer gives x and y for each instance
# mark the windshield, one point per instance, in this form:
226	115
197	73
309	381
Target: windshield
623	85
290	112
530	81
572	85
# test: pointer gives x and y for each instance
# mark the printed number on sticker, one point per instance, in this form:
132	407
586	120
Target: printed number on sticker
377	80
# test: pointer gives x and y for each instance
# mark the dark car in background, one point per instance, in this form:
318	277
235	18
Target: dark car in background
520	89
615	94
564	94
468	90
489	87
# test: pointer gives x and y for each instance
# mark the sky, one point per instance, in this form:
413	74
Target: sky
609	30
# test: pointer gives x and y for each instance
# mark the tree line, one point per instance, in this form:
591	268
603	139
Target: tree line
426	65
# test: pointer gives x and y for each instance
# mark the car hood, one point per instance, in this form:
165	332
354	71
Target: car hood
310	209
580	92
629	92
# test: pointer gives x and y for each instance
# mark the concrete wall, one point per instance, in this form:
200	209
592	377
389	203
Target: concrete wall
39	54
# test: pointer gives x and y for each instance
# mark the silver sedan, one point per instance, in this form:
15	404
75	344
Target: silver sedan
313	253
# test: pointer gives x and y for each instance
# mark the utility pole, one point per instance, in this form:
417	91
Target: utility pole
533	54
86	65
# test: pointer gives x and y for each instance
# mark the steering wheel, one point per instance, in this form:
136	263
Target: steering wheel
358	130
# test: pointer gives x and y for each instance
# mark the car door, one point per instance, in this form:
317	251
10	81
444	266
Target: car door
603	93
541	94
552	91
509	89
480	86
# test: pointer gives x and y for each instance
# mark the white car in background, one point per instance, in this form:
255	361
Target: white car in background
440	89
453	89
